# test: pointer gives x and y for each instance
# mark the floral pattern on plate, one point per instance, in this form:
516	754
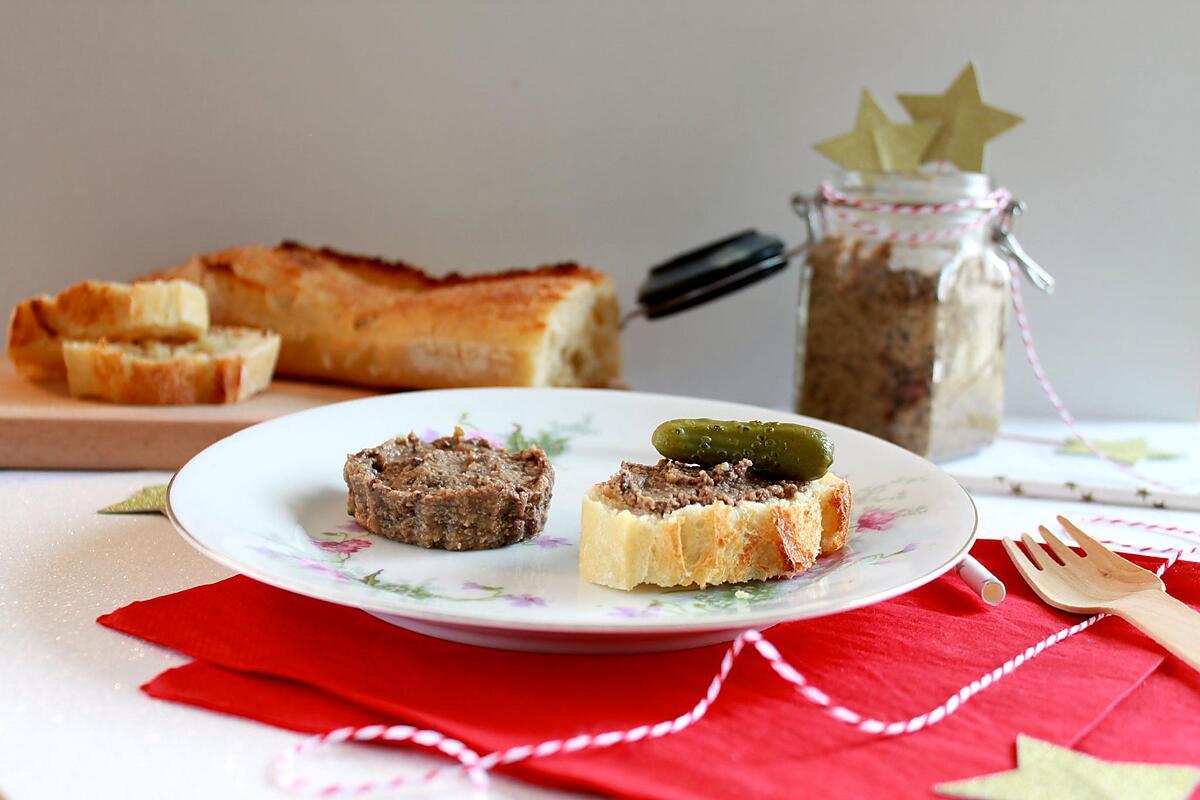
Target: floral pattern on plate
287	526
553	438
335	548
332	554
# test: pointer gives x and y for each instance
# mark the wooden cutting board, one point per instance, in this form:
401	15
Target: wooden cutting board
43	427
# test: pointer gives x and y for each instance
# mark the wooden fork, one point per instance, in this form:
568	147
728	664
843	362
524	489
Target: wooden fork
1100	580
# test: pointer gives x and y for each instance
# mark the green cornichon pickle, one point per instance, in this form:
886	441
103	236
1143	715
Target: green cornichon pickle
778	449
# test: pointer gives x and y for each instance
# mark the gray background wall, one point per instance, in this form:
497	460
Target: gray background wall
475	135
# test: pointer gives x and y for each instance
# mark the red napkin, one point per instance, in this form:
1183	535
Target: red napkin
311	666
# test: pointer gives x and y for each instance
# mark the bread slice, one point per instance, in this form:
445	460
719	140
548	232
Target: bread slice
371	322
718	543
222	366
172	310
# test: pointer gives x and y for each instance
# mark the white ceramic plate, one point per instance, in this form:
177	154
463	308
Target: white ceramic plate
270	503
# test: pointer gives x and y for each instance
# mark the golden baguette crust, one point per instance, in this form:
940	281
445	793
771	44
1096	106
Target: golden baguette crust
223	366
173	310
703	545
377	323
835	496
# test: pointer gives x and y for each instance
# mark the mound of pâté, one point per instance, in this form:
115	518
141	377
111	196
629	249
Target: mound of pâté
454	493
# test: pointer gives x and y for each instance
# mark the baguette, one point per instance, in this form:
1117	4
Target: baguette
385	324
172	310
222	366
717	543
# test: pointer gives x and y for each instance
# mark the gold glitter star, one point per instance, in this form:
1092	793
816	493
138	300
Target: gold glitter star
1047	772
1127	451
967	124
878	144
149	499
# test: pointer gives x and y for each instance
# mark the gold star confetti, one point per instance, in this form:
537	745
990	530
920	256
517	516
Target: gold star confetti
967	124
878	144
1047	772
1127	451
149	499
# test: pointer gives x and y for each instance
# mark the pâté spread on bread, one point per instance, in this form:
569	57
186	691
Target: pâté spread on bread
670	485
454	493
716	520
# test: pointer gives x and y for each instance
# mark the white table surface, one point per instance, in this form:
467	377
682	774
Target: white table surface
73	723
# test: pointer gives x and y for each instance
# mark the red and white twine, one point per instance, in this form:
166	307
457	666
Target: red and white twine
993	204
998	197
1064	414
1170	530
477	768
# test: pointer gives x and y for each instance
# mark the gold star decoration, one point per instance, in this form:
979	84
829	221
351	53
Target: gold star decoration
967	124
878	144
148	499
1127	451
1047	772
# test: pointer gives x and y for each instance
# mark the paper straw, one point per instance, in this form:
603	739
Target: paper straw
989	588
1136	496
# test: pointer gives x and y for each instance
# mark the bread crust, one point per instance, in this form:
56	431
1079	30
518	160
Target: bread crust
33	346
170	310
224	366
835	498
702	545
371	322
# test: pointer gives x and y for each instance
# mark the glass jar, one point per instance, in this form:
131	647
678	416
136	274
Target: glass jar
904	308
